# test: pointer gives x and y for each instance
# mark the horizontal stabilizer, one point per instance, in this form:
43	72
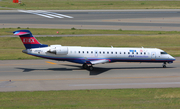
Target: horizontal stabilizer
20	33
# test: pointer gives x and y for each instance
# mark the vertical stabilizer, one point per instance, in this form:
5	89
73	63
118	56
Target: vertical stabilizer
28	39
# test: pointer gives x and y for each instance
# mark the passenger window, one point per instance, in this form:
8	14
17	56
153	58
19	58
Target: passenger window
107	52
79	52
119	52
111	52
103	52
132	52
99	52
91	52
136	52
87	52
83	52
124	52
128	53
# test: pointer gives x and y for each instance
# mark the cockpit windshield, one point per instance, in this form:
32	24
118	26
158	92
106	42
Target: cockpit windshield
163	53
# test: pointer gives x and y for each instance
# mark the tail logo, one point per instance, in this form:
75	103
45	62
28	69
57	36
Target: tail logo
29	40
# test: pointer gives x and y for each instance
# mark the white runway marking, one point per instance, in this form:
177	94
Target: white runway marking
45	14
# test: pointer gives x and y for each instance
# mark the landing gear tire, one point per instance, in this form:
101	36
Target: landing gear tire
84	66
91	68
164	65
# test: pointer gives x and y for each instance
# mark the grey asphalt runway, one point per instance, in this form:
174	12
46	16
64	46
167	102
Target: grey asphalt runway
142	19
34	75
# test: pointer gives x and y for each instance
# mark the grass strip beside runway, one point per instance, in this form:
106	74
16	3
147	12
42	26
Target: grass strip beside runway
89	4
167	98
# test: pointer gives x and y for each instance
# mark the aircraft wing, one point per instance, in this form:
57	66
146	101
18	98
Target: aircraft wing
99	61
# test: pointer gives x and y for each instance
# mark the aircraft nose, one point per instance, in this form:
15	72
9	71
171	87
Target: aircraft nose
172	58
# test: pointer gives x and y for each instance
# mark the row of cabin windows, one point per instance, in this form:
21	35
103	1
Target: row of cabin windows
111	52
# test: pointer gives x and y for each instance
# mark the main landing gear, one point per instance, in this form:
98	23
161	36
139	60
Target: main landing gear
85	66
164	65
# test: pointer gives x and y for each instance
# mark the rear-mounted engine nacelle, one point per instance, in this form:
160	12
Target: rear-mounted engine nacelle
58	50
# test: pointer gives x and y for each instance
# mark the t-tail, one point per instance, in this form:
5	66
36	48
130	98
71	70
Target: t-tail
28	39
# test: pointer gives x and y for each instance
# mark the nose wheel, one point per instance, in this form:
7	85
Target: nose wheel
164	65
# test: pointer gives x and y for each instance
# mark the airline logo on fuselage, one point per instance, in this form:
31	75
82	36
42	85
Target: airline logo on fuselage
132	50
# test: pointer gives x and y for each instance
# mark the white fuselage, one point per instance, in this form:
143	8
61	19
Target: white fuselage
81	55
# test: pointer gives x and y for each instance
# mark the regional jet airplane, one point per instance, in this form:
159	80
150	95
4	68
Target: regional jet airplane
89	56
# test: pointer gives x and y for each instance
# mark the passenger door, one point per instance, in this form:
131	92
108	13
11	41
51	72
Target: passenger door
153	55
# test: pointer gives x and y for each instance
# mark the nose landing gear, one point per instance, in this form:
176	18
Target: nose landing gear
164	65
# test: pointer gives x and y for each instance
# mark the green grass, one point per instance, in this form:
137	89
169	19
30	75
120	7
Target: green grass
11	47
89	4
42	31
11	54
168	98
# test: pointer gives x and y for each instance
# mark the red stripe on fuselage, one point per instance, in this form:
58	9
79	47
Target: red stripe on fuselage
29	40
